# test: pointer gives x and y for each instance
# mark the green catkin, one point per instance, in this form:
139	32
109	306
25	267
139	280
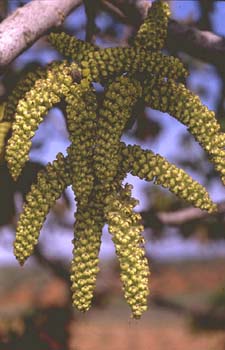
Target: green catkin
18	93
120	97
30	112
51	182
70	47
152	33
88	229
149	166
178	101
84	266
125	227
100	66
81	119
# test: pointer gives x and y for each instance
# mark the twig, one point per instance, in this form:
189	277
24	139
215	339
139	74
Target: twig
30	22
182	216
203	45
206	9
91	9
57	268
27	24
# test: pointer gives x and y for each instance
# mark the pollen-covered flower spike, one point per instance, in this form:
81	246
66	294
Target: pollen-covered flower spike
70	47
149	166
87	240
125	227
81	120
18	93
30	112
90	220
120	98
105	64
51	182
179	102
152	33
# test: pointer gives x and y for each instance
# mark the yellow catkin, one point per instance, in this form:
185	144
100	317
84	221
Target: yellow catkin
88	229
149	166
71	47
100	66
51	182
152	33
120	97
30	112
125	227
23	86
87	240
81	120
177	100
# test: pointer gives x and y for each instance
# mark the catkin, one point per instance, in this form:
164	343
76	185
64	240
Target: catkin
51	182
103	65
120	98
125	227
31	111
177	100
18	93
71	47
81	119
153	32
149	166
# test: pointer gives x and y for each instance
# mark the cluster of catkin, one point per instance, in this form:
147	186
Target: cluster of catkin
97	161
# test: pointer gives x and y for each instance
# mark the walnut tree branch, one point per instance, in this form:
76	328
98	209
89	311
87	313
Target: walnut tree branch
28	23
203	45
182	216
56	267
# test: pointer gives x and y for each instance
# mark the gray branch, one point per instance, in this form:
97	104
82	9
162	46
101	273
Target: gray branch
28	23
23	27
203	45
185	215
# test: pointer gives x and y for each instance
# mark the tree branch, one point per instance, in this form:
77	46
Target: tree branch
56	267
182	216
203	45
27	24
